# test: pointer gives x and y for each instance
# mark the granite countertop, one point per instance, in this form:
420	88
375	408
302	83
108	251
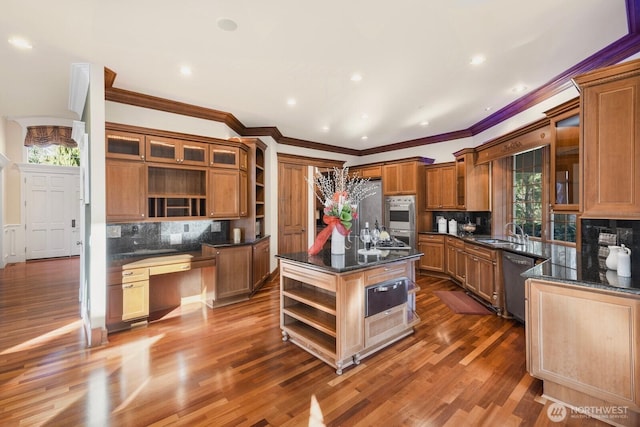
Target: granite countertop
355	258
564	264
119	259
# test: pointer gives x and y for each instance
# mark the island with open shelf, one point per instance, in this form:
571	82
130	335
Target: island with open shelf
342	308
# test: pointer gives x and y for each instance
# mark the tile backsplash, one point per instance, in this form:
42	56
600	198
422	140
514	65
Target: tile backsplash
617	232
481	219
126	238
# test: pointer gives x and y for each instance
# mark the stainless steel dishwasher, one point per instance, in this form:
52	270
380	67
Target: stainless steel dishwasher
513	265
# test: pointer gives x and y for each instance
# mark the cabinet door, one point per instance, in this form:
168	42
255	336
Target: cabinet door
126	189
612	149
223	156
261	262
135	300
390	179
448	191
163	150
565	161
243	159
194	153
472	277
373	171
233	271
243	194
408	178
461	266
433	250
451	260
224	193
124	145
434	188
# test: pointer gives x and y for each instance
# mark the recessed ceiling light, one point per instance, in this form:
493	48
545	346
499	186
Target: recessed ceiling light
326	128
20	43
226	24
477	60
356	77
364	137
487	109
185	70
519	88
364	116
291	102
424	123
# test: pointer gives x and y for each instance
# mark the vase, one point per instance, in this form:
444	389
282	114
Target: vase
337	242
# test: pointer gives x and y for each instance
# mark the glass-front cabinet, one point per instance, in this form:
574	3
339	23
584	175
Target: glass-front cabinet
565	161
124	145
168	150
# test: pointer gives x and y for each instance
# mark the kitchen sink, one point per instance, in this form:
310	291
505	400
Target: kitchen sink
496	242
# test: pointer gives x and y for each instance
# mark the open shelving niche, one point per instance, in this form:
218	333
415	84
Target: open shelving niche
175	192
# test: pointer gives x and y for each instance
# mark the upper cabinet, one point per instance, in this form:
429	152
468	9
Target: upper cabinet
124	145
441	186
565	156
168	150
610	111
367	171
472	182
404	177
224	156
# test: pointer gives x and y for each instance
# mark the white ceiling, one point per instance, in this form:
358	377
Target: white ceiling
413	56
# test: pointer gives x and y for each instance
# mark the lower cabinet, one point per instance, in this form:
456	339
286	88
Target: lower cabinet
233	271
261	262
481	272
583	360
432	246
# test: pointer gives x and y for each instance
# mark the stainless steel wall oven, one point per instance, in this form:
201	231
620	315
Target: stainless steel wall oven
400	218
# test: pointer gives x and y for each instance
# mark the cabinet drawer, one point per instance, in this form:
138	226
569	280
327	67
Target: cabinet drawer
452	241
169	268
311	277
430	238
481	252
382	274
135	275
385	325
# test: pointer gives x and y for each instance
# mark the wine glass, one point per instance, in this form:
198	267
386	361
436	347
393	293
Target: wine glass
375	237
365	236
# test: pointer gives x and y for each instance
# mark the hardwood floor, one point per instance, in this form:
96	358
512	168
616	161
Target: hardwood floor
229	366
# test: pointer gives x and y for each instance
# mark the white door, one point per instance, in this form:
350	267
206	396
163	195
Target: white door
49	210
76	204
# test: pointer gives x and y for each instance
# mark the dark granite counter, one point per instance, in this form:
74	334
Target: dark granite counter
353	259
563	264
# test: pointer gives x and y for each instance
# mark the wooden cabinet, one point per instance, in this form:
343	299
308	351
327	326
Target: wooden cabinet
261	262
565	156
455	259
432	246
481	272
224	193
441	187
233	274
367	171
583	343
169	150
400	178
610	108
224	156
472	182
126	184
124	145
135	293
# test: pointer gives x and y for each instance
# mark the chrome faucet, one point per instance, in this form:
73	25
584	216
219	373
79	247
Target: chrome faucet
520	238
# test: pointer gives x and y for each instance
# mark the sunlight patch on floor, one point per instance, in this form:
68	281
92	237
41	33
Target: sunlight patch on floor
44	338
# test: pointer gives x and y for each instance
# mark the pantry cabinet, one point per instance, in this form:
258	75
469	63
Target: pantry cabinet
609	109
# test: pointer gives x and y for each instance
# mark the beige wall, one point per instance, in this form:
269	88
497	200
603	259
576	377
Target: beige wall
14	151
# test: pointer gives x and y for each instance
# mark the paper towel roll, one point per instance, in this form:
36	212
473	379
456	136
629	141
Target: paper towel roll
236	235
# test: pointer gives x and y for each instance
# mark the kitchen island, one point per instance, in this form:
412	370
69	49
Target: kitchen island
342	308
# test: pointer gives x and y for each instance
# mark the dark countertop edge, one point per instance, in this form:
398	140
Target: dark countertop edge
544	253
329	269
196	255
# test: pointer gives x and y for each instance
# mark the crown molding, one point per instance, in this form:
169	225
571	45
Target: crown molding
614	53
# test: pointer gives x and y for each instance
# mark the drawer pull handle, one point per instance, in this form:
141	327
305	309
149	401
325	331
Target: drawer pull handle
127	273
127	286
185	267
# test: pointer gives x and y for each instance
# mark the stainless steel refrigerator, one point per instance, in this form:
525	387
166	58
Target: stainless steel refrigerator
370	209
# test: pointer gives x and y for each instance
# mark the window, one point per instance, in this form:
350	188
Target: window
563	227
527	191
51	145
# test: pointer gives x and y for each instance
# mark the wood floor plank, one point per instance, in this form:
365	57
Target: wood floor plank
230	367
